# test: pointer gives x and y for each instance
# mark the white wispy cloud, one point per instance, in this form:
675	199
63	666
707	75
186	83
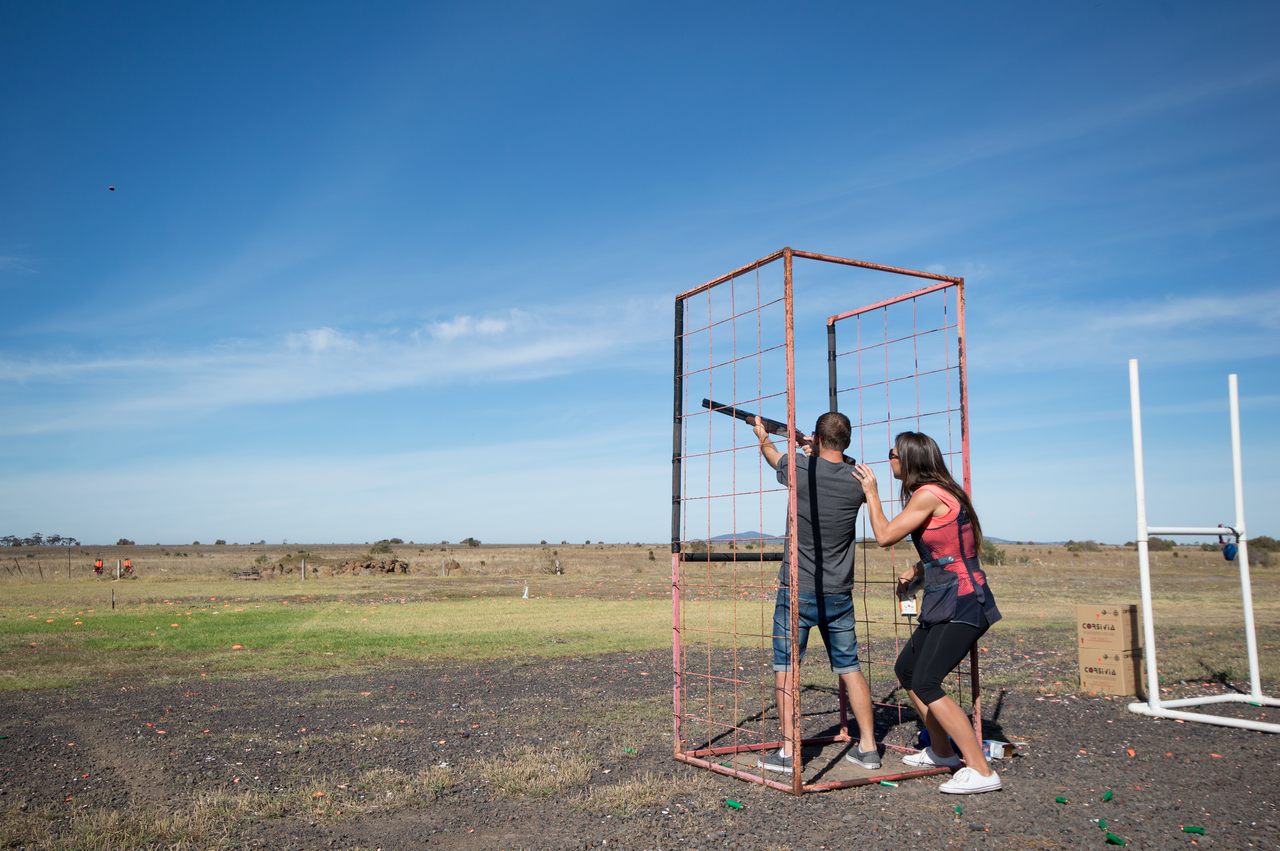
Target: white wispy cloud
1039	336
522	499
326	362
15	264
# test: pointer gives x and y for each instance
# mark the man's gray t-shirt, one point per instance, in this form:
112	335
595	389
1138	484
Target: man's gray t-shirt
825	539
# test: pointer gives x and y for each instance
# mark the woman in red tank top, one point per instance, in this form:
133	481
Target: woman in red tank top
958	605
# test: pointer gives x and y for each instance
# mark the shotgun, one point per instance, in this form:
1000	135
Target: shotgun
770	426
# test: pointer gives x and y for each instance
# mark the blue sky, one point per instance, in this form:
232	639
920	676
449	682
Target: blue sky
407	269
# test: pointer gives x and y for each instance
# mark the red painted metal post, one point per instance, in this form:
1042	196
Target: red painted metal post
975	685
793	675
964	387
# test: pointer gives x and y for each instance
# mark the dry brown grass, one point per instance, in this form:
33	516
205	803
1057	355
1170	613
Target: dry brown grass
529	770
201	821
1196	594
649	791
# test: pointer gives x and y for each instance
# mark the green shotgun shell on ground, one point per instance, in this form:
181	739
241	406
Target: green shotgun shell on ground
1102	824
1107	796
888	783
1193	829
629	750
1114	840
734	804
1061	800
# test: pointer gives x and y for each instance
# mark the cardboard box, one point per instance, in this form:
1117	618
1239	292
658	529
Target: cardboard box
997	750
1107	627
1112	671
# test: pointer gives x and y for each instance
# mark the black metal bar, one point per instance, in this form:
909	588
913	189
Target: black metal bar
733	556
831	366
676	427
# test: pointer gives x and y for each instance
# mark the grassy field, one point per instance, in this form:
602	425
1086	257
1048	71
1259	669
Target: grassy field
183	613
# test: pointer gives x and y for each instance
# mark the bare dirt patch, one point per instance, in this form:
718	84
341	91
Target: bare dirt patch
534	754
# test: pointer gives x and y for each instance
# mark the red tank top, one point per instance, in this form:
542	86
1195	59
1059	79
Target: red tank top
939	539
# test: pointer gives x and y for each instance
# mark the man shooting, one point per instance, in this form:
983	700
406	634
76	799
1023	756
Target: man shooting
827	501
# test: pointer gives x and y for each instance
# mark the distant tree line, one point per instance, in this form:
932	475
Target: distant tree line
38	540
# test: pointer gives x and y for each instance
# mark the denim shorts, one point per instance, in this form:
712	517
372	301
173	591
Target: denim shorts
834	617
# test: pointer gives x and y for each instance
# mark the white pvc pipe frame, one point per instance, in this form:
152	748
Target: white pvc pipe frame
1167	709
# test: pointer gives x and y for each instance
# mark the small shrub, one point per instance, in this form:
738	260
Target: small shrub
1264	543
544	542
195	543
396	541
380	547
1083	547
471	542
651	558
991	555
220	543
1159	545
124	542
260	560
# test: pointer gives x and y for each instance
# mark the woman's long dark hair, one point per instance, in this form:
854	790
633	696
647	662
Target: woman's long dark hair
921	463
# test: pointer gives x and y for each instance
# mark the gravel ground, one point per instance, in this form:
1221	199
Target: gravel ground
135	746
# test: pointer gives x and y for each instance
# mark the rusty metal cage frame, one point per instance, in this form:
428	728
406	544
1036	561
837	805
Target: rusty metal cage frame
708	755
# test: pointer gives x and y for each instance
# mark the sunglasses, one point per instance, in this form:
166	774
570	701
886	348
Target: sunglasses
893	455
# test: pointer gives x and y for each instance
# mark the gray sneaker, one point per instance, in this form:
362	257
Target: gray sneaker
867	759
775	762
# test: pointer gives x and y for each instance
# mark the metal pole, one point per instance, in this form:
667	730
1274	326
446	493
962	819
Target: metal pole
793	675
831	366
117	570
1246	590
1144	563
964	389
677	429
962	364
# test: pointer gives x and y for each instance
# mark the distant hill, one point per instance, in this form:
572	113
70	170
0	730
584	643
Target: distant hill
1004	541
748	536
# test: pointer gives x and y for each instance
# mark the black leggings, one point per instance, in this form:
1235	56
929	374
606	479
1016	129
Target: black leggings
933	652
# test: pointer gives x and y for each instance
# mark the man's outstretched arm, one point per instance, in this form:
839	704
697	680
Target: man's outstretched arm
770	452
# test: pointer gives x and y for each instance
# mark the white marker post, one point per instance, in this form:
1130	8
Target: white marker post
1167	709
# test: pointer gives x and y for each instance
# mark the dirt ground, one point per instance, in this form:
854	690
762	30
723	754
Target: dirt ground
576	753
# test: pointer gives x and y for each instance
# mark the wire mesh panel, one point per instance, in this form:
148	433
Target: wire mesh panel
732	349
736	355
893	366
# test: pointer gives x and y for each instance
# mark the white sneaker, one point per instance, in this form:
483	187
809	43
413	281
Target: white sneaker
968	781
927	758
